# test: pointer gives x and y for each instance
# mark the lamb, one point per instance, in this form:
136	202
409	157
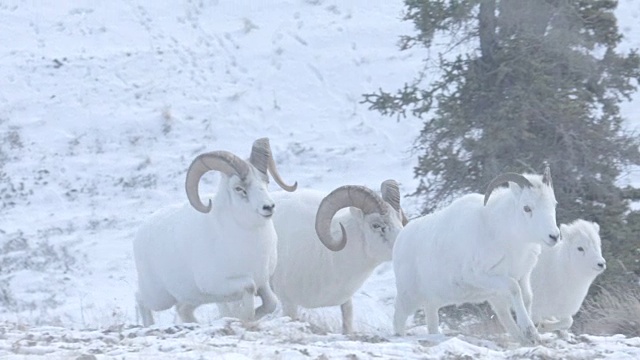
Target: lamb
474	250
313	269
563	274
189	255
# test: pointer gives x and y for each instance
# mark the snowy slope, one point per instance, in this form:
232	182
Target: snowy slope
104	104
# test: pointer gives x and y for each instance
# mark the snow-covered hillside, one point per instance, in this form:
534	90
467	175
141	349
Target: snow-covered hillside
104	104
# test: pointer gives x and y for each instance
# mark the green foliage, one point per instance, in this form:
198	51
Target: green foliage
542	83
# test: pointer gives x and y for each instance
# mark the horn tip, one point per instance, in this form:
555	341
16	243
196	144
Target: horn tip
293	187
263	140
343	240
206	209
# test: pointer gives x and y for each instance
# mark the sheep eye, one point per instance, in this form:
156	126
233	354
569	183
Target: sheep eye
580	248
376	226
241	190
527	209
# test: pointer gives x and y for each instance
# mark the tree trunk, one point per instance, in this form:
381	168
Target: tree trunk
487	29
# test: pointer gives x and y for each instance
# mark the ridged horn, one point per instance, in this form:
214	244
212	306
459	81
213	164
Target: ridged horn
391	194
546	175
262	158
503	178
222	161
260	154
345	196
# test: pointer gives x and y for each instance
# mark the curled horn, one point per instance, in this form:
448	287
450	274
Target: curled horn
391	194
345	196
503	178
260	154
546	175
222	161
262	158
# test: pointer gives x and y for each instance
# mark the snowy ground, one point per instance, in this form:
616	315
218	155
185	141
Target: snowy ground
104	104
280	338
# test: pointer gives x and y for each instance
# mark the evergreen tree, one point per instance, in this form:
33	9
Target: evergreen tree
535	81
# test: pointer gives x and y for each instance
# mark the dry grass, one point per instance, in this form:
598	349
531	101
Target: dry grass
614	310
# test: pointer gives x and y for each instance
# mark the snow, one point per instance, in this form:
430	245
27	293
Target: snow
104	104
281	338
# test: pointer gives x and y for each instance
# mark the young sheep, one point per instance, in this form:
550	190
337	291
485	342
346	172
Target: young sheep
314	270
189	255
563	275
474	250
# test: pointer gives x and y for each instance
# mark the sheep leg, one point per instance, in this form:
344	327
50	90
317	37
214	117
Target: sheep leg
508	290
503	312
527	293
432	317
151	297
290	310
144	312
347	317
247	311
404	307
269	301
185	312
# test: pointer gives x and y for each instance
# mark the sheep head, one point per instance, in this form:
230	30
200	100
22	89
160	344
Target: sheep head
380	221
582	246
535	205
246	181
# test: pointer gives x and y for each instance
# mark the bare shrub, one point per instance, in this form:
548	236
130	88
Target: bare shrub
7	299
21	252
615	309
18	253
138	181
167	120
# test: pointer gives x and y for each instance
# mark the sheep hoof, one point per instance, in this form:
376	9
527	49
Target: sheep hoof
531	336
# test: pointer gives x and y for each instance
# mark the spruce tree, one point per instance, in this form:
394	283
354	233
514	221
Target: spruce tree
533	81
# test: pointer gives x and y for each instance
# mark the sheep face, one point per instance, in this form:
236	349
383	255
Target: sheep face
380	232
584	247
536	212
249	198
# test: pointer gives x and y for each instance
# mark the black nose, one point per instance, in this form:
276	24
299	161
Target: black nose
554	238
602	265
268	207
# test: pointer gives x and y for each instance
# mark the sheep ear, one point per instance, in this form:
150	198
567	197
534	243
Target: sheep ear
597	226
563	230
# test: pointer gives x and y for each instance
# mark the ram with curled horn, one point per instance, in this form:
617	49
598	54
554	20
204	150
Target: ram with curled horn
225	250
328	245
478	248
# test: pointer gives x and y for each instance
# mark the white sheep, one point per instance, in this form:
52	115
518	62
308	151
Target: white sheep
474	250
189	255
563	275
314	270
